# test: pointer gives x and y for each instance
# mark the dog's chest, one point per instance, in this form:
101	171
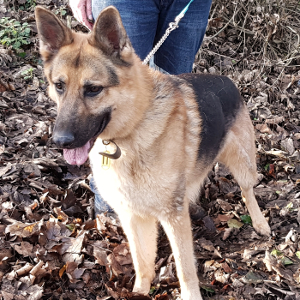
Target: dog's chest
133	187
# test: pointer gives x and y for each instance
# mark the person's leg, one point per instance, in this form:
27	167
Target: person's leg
100	205
139	18
177	53
152	65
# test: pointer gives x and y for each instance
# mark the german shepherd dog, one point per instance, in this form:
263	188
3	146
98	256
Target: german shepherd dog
164	134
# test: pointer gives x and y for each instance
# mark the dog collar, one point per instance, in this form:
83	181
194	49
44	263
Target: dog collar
107	154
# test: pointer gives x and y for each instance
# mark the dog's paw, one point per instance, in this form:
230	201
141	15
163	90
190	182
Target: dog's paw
140	291
262	228
142	288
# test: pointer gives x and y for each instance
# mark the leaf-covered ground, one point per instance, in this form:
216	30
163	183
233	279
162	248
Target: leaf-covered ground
51	246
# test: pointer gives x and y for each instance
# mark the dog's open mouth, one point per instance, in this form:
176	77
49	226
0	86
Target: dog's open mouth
78	156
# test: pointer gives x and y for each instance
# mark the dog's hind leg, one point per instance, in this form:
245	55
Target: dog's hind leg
238	155
260	224
141	233
179	232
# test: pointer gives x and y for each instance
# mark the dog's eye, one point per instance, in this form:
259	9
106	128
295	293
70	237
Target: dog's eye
92	90
59	87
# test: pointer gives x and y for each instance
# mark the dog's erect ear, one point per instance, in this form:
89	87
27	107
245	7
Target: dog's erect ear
109	33
53	33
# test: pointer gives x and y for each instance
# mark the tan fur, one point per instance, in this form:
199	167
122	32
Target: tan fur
157	125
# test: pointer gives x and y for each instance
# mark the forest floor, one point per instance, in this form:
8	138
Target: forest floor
51	246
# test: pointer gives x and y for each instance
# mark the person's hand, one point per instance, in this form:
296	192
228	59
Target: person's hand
82	11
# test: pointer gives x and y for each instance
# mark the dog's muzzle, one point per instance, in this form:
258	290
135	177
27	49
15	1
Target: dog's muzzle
63	139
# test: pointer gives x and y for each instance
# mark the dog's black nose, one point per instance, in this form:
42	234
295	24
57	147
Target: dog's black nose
63	139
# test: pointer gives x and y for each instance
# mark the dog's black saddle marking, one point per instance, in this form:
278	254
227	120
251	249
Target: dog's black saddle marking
219	102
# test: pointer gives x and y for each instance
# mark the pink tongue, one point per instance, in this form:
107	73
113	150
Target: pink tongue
77	156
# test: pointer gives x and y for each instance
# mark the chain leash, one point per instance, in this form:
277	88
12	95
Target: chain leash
172	26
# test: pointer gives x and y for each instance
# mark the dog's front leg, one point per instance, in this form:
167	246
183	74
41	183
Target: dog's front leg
141	233
178	230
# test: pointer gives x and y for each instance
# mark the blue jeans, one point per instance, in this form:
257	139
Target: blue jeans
147	20
100	205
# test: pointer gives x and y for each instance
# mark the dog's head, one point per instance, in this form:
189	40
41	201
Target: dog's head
93	78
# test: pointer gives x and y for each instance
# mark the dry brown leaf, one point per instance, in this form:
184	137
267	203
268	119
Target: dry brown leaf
122	254
226	268
74	273
24	249
227	232
61	216
224	218
24	270
166	273
206	244
100	254
62	271
24	229
164	296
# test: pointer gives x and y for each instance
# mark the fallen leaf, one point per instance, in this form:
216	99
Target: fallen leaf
246	219
233	223
24	249
226	268
276	253
62	271
286	261
252	277
24	229
74	273
225	218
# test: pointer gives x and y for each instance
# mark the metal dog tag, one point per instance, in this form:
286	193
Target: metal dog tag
105	161
107	156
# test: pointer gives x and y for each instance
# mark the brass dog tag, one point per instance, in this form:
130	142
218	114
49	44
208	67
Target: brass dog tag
107	156
105	161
